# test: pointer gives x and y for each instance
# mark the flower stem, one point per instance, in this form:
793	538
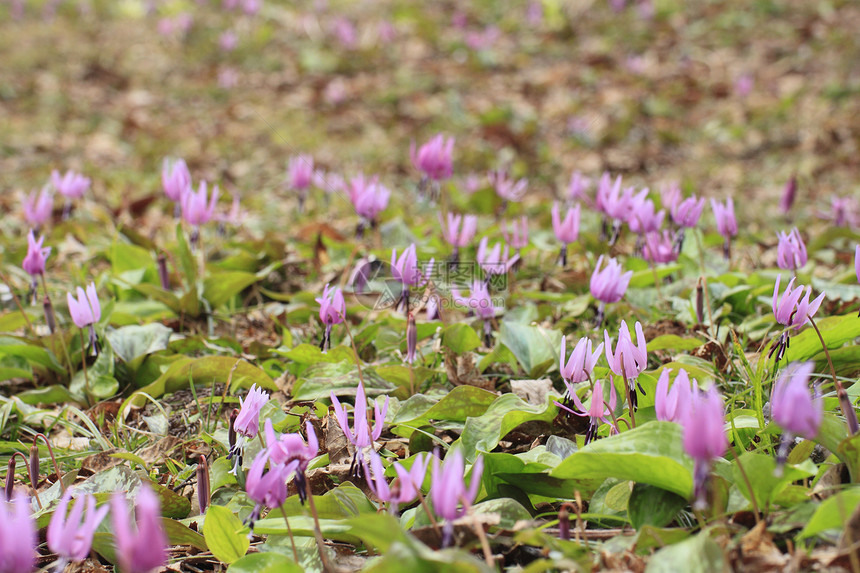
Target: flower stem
84	366
290	532
53	459
844	401
317	530
18	304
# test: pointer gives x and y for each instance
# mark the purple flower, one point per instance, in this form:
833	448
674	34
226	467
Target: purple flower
792	405
857	261
671	195
405	269
506	187
605	190
628	360
71	185
288	448
660	247
38	207
175	179
248	421
234	216
844	211
478	301
672	405
704	436
251	7
495	261
577	187
609	284
449	493
482	39
145	549
34	262
368	196
618	204
724	213
361	435
345	32
300	172
332	306
643	219
791	310
18	537
454	234
228	40
267	488
71	537
743	85
85	310
517	233
686	213
581	362
790	251
195	209
788	195
434	158
566	230
597	410
405	486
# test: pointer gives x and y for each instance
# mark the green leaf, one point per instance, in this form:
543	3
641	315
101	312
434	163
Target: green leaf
536	348
650	505
131	342
651	454
206	370
269	562
458	405
759	469
311	354
219	288
697	554
832	513
225	534
53	394
506	413
342	378
378	530
186	258
835	330
673	342
460	338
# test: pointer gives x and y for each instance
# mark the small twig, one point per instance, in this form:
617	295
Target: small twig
844	401
485	545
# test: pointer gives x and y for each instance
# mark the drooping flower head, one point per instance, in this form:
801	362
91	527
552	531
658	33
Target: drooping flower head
368	196
478	302
434	158
686	213
18	537
671	195
724	213
449	493
71	537
609	284
300	171
460	229
672	405
792	405
248	421
86	309
195	209
361	436
790	251
34	262
291	451
145	549
791	310
404	488
332	311
788	195
175	179
628	360
38	207
598	411
566	230
704	437
495	261
576	189
71	185
580	365
660	247
506	187
267	488
643	218
517	233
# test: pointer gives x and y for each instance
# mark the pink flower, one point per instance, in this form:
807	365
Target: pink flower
686	213
346	33
34	262
506	187
248	421
609	284
145	549
844	211
577	187
517	233
406	270
597	410
449	493
434	158
495	261
581	363
792	405
724	213
672	405
71	185
790	250
788	195
405	486
267	488
453	233
643	219
332	306
195	209
300	172
361	436
704	436
567	230
660	247
70	537
369	197
18	536
628	360
85	310
671	195
857	261
175	179
478	301
38	207
791	310
228	41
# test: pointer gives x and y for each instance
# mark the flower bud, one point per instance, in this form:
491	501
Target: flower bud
203	484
